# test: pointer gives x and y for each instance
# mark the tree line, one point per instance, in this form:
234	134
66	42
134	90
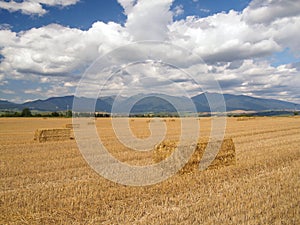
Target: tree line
26	112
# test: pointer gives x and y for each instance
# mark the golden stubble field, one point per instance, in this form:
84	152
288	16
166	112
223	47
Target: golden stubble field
50	183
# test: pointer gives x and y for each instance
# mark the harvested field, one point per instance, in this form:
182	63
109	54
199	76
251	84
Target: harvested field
50	183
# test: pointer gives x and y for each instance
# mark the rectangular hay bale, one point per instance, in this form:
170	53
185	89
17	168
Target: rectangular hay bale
245	118
225	157
72	125
52	134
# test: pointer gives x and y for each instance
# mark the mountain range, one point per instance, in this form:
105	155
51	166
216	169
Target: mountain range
145	103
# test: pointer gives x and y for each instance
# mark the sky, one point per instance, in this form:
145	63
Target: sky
89	47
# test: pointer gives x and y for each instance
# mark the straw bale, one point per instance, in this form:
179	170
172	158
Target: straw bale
52	134
225	157
245	118
72	125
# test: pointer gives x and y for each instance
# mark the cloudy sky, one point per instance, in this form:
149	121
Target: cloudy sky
249	47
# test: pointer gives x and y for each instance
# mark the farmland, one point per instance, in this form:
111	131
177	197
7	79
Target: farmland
50	182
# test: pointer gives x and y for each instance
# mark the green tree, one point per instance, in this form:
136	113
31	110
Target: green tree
26	112
55	114
69	113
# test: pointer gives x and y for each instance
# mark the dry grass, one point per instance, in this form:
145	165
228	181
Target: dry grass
50	183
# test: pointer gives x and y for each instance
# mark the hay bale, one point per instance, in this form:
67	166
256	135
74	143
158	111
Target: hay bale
72	125
52	134
245	118
225	157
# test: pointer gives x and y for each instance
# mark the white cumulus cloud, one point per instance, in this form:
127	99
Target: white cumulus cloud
267	11
34	7
55	50
149	20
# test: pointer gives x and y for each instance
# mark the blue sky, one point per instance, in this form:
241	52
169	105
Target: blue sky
252	46
86	12
82	15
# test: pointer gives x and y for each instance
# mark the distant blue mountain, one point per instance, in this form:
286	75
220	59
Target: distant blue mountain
66	102
155	103
9	105
145	103
243	102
